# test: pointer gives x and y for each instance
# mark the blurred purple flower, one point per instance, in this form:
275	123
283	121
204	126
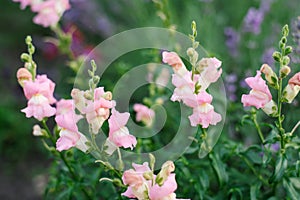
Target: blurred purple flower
254	17
253	20
267	56
232	40
88	15
296	37
230	85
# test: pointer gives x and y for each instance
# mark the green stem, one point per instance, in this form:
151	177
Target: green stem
260	134
70	169
259	176
295	128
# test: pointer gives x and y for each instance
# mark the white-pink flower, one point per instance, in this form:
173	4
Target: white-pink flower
24	3
209	72
49	12
185	88
97	112
67	119
40	95
260	94
171	58
118	132
141	188
203	111
144	114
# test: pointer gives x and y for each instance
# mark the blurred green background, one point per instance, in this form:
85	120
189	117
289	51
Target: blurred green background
24	163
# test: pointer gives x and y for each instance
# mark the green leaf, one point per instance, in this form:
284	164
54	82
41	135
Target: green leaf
281	165
295	181
292	192
219	168
254	189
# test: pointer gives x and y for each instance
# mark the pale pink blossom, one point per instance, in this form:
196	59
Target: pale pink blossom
49	12
67	139
292	89
65	115
97	112
144	114
185	88
118	132
24	3
23	75
67	119
79	100
41	85
137	184
38	107
171	58
260	94
203	111
209	72
141	188
157	192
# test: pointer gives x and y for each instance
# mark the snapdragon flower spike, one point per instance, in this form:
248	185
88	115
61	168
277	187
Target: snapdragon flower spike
118	132
142	187
98	111
203	111
260	94
49	12
67	119
40	95
144	114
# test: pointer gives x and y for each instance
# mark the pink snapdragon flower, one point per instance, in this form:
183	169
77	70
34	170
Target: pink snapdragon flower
292	89
24	3
260	94
171	58
185	88
210	72
98	111
144	114
49	12
203	111
118	132
67	119
40	95
23	75
141	185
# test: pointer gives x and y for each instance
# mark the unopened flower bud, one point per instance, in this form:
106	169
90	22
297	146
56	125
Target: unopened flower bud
270	108
23	75
285	60
159	101
28	40
167	168
88	95
288	50
270	75
25	57
107	95
148	175
284	71
285	30
37	131
190	52
277	55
